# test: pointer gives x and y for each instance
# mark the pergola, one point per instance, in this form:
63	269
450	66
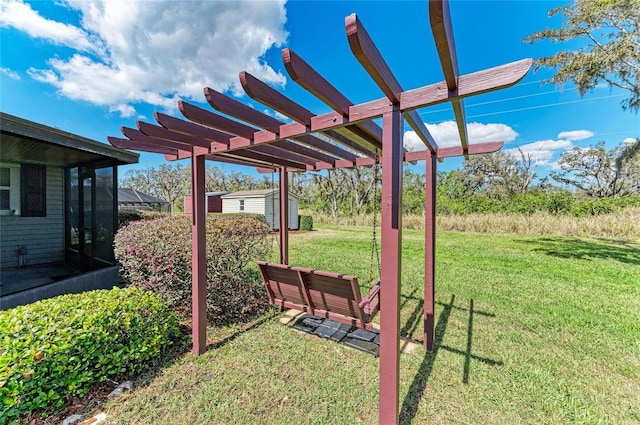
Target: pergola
346	137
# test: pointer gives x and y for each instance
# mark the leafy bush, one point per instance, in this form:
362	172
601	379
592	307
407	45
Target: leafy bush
306	222
156	255
59	347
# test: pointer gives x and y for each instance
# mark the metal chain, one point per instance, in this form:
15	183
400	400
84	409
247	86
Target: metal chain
374	241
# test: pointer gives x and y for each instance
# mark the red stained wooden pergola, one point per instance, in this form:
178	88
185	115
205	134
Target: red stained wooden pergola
346	137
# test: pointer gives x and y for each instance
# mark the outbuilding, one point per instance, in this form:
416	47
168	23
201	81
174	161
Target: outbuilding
214	202
262	201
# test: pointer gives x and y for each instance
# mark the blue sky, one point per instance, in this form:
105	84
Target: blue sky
90	67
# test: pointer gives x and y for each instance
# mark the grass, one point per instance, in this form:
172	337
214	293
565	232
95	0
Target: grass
530	330
623	223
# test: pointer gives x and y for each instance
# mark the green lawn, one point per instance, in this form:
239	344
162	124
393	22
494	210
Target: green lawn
530	329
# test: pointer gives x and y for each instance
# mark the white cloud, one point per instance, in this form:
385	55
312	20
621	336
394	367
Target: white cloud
10	73
18	15
575	135
155	52
126	111
629	140
446	134
541	151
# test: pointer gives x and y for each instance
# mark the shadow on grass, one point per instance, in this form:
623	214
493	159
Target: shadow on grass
410	404
269	315
575	248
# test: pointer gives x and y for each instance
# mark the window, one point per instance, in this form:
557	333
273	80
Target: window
33	190
241	204
23	188
9	186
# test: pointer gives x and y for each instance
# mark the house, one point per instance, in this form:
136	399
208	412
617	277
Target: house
58	211
262	201
131	200
214	202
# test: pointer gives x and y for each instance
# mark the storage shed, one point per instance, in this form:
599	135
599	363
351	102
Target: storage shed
262	201
214	202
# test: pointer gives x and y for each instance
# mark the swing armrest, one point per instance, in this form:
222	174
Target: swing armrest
370	296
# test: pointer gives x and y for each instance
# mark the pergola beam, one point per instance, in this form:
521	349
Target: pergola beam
130	144
372	61
307	77
443	34
266	95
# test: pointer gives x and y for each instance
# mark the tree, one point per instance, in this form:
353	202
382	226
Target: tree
169	182
612	53
600	173
501	173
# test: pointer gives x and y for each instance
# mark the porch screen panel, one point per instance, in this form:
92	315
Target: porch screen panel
104	217
73	211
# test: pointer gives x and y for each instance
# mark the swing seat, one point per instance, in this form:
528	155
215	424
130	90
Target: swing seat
328	295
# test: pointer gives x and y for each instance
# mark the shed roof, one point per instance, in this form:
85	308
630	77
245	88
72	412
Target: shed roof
257	193
132	196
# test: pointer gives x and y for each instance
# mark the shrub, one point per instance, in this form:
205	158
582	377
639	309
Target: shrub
156	255
306	222
59	347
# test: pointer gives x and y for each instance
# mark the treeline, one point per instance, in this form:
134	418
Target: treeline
588	181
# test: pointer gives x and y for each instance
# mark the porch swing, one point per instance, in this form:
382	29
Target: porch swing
325	294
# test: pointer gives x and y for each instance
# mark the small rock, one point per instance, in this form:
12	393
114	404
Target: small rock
120	389
73	419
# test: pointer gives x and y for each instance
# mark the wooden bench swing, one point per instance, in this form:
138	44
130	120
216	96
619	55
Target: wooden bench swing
328	295
324	294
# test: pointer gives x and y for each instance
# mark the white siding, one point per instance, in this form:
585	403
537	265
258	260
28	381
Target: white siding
263	205
43	237
251	205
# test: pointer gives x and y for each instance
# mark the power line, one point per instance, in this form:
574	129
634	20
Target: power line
498	101
545	106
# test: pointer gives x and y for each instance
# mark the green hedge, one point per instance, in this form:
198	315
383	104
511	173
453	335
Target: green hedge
306	222
156	255
58	347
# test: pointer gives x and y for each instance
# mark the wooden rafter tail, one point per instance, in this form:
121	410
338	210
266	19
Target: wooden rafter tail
266	95
138	136
372	61
162	133
130	144
187	127
370	58
238	110
307	77
258	90
216	121
442	30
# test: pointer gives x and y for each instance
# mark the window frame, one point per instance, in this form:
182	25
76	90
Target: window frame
14	185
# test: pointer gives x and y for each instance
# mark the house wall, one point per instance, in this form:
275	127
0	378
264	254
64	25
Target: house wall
43	237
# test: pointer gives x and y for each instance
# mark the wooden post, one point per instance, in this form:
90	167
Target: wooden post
391	241
198	256
284	216
430	252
